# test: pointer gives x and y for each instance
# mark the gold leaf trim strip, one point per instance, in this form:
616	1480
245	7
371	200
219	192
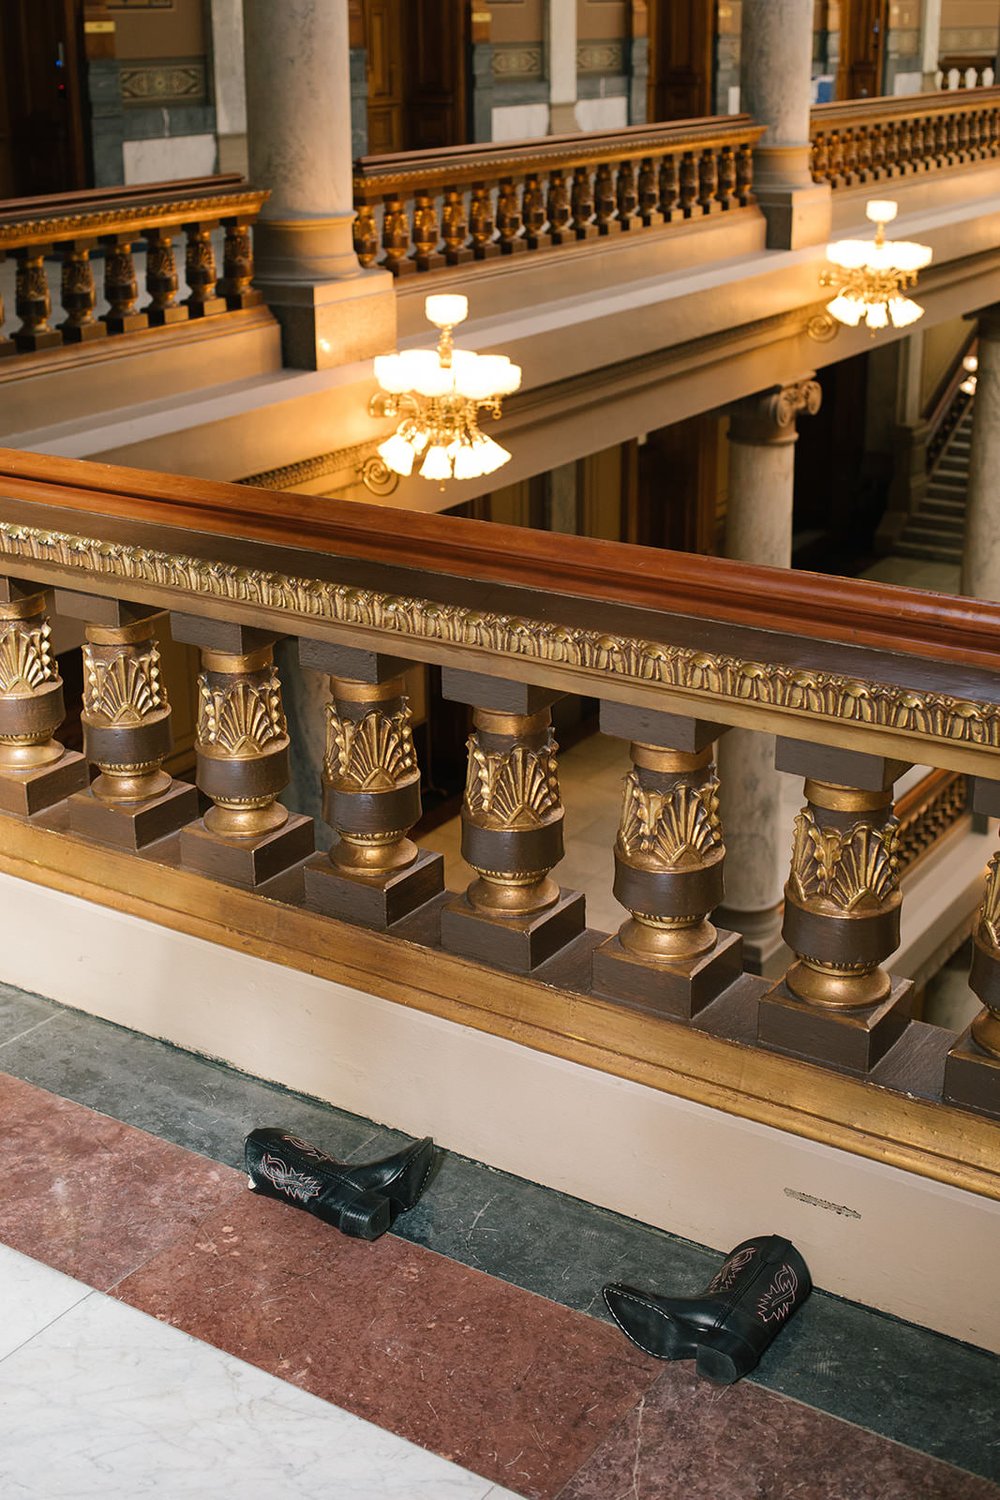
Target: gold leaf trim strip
706	674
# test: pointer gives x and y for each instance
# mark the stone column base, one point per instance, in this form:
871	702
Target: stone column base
562	119
765	951
329	323
796	216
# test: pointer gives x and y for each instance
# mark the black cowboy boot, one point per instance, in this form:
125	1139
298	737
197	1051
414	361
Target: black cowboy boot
359	1200
727	1327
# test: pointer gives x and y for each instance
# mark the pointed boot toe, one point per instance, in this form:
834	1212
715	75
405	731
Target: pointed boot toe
650	1322
401	1177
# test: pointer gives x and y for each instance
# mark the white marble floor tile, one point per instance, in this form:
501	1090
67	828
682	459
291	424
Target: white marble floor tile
31	1296
107	1402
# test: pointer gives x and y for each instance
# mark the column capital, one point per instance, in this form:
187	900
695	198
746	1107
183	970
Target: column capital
770	416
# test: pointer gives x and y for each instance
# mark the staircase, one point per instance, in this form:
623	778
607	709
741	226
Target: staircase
935	529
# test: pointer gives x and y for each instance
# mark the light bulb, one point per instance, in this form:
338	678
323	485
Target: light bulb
436	464
970	363
398	454
446	309
877	315
969	386
847	310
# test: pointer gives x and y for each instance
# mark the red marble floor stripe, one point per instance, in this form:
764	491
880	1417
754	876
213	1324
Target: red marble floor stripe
503	1382
93	1197
688	1440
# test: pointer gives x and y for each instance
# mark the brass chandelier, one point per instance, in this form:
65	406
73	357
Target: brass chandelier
439	394
870	277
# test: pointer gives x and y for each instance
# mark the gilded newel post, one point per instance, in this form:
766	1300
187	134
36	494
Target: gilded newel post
35	770
126	729
513	913
667	957
972	1070
242	746
842	907
374	874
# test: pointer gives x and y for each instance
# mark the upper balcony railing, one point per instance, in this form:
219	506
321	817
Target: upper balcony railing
856	680
117	220
430	209
860	141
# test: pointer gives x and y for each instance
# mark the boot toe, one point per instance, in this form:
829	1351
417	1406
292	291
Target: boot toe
650	1327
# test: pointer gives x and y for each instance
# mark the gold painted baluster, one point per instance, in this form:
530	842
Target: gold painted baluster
509	221
481	222
33	302
582	202
366	235
79	295
670	192
689	186
455	228
744	176
396	236
727	178
35	770
708	183
237	265
121	286
648	194
426	236
558	209
162	280
533	212
626	196
203	300
604	200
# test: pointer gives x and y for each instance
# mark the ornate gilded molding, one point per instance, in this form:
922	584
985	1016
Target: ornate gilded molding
989	912
854	869
709	676
122	689
515	788
140	216
242	718
677	828
373	753
26	660
770	416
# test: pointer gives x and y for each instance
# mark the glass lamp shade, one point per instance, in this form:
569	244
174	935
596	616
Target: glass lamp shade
851	254
467	461
444	310
847	310
903	311
398	454
391	374
877	315
881	210
425	373
491	455
968	387
436	464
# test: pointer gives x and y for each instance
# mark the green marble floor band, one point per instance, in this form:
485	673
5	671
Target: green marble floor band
903	1382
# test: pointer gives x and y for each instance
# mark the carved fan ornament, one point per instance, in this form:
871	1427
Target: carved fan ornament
374	754
517	788
25	658
677	827
989	912
123	689
243	718
855	869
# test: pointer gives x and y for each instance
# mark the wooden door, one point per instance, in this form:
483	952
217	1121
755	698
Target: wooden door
386	99
42	137
681	55
863	25
437	46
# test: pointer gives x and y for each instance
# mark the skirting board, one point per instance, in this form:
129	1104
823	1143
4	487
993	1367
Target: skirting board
871	1232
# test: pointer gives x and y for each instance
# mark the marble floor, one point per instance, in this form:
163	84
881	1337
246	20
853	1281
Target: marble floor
164	1332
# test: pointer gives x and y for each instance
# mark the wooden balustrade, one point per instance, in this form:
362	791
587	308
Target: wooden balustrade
428	209
966	70
857	680
860	141
114	221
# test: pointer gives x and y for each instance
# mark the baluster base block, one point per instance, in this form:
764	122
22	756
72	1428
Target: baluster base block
373	903
518	945
678	991
125	322
851	1040
7	346
83	333
247	862
31	342
208	308
30	792
133	825
159	317
251	297
972	1077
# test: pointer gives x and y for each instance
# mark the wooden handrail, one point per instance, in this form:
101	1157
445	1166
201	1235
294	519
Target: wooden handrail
451	559
856	141
26	222
890	106
451	165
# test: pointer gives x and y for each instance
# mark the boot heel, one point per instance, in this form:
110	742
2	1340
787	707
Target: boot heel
723	1357
361	1216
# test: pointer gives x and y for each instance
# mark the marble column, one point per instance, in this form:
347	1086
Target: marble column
981	562
930	43
229	84
762	436
298	96
562	66
776	90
